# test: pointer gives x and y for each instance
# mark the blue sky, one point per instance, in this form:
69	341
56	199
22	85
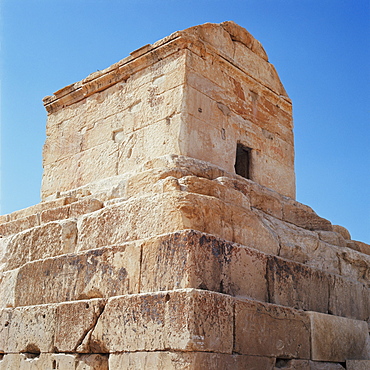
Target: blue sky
321	50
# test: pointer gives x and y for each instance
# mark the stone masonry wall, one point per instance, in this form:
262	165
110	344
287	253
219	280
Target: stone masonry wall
173	261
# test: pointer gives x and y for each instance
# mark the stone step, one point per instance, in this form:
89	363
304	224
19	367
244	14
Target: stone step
182	320
184	259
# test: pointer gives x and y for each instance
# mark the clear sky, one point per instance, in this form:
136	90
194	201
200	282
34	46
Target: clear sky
320	48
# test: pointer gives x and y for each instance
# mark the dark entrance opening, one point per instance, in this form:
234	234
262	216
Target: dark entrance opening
243	161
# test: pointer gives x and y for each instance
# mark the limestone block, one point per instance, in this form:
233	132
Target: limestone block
47	361
342	231
360	247
51	239
241	35
187	360
263	329
37	208
95	273
31	330
187	320
269	172
295	285
358	364
159	137
18	225
135	218
191	259
332	237
215	188
355	265
75	321
54	214
266	200
306	365
81	168
8	281
303	216
220	143
338	339
256	67
5	320
348	298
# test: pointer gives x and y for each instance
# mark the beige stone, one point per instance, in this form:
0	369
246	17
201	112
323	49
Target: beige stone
48	361
296	285
188	360
75	321
95	273
18	225
30	329
342	231
8	281
190	320
349	298
338	339
195	260
263	329
44	241
303	216
358	364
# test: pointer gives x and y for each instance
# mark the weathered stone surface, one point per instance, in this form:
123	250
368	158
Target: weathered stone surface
358	364
195	260
190	320
8	281
44	241
263	329
75	321
295	285
342	231
338	339
348	298
294	364
303	216
18	225
28	329
188	360
96	273
355	265
48	361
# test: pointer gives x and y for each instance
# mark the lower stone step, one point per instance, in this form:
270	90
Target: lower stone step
189	320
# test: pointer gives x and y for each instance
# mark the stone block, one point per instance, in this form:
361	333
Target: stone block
98	273
51	239
303	216
337	339
16	226
29	329
263	329
190	259
355	265
185	320
295	285
48	361
358	364
348	298
74	323
55	214
333	238
266	200
342	231
188	360
8	281
133	219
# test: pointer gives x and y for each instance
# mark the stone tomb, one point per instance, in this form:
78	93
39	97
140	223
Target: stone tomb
168	236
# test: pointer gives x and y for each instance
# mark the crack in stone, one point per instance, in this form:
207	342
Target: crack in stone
87	333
